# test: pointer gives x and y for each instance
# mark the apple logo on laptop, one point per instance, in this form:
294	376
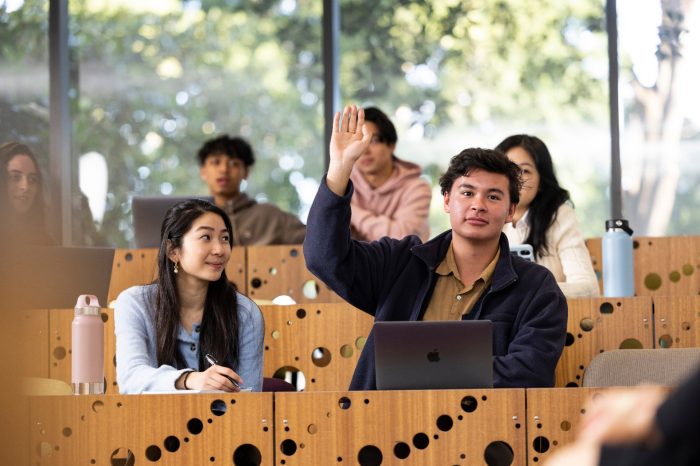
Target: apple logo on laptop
434	355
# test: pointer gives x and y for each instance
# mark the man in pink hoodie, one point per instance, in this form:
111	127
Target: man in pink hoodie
390	198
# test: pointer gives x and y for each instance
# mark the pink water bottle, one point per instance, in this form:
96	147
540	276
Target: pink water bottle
88	347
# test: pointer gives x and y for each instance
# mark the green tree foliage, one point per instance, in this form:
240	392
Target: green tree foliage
455	67
516	59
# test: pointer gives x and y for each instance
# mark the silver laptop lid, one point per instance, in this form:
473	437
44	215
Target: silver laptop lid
433	354
148	212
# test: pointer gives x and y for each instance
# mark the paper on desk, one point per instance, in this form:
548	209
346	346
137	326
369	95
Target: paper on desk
188	392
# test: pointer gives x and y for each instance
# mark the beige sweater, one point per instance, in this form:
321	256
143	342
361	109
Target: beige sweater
567	256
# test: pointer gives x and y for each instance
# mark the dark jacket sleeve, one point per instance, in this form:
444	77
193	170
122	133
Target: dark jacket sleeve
355	270
539	332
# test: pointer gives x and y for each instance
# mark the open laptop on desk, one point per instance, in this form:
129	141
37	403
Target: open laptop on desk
148	212
433	355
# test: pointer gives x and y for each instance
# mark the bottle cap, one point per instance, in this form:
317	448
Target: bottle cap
620	224
88	304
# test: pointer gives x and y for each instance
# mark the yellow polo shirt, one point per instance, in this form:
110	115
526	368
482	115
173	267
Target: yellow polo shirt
451	299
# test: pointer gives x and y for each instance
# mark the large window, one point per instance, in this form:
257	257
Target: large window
453	75
660	67
156	79
24	76
150	81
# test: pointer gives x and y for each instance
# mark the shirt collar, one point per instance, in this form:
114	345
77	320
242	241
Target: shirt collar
449	265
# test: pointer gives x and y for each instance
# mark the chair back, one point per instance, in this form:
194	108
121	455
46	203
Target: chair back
631	367
41	386
273	384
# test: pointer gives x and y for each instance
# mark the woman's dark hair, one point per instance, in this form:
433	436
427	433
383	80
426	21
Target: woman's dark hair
35	216
489	160
218	333
542	211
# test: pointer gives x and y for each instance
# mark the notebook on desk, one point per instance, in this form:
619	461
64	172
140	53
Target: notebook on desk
433	355
148	212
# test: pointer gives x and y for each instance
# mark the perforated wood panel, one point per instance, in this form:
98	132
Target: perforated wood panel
32	342
60	321
595	249
140	266
323	341
236	269
553	417
437	427
662	266
153	429
600	324
131	267
677	321
667	265
280	270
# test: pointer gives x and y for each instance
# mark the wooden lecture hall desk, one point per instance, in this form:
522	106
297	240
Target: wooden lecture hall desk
437	427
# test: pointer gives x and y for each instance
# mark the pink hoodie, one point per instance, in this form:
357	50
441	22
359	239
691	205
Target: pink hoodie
396	209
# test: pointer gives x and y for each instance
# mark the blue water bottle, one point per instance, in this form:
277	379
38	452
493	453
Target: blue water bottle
618	260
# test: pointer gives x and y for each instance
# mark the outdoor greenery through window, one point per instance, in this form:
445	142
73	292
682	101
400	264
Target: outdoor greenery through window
454	74
159	78
150	81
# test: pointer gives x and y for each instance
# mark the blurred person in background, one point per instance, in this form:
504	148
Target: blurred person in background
390	198
21	197
224	163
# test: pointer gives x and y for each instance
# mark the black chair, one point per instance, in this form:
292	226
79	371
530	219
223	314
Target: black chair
273	384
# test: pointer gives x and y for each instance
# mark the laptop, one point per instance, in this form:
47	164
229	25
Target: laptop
53	277
433	354
148	212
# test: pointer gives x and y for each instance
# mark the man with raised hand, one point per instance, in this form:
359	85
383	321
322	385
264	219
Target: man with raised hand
464	273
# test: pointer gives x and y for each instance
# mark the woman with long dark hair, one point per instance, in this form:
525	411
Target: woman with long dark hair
545	218
21	197
190	329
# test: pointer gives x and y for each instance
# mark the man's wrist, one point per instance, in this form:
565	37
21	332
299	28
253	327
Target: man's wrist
337	178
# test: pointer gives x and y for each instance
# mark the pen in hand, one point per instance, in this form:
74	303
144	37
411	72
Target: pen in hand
210	359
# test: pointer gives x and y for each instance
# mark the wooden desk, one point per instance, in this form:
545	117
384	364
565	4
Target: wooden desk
322	341
170	429
413	427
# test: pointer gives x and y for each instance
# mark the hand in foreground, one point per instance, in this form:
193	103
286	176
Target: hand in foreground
349	141
579	453
622	416
214	378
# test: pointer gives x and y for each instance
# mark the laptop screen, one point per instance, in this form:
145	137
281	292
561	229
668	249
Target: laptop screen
433	354
148	213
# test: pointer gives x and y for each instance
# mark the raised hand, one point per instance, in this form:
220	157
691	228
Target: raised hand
349	141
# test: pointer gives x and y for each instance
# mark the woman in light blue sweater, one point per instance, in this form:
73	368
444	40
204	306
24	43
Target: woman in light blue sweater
169	332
